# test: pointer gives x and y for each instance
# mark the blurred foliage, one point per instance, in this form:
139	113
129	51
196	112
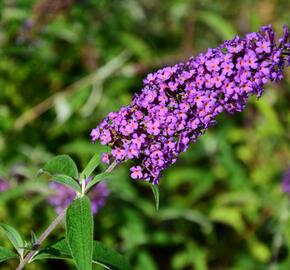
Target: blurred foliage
65	64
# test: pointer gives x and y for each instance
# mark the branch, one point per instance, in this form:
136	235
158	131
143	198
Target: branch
45	234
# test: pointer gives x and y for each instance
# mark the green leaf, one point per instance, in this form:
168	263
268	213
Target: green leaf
102	255
97	179
14	238
61	164
229	216
92	165
183	259
57	250
155	191
106	256
259	250
33	237
68	181
79	232
136	45
145	261
6	254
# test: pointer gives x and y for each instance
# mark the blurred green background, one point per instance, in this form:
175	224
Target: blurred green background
64	64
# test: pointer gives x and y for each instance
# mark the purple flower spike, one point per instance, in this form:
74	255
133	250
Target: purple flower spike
178	104
62	196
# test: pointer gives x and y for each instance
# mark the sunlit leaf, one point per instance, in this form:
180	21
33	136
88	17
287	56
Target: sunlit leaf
229	216
259	250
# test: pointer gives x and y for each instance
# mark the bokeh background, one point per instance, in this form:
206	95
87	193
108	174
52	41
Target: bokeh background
64	64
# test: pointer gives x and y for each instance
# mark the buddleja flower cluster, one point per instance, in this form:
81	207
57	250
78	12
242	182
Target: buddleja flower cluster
178	104
62	196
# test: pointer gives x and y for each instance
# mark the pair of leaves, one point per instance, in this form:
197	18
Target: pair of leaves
79	218
64	171
63	164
